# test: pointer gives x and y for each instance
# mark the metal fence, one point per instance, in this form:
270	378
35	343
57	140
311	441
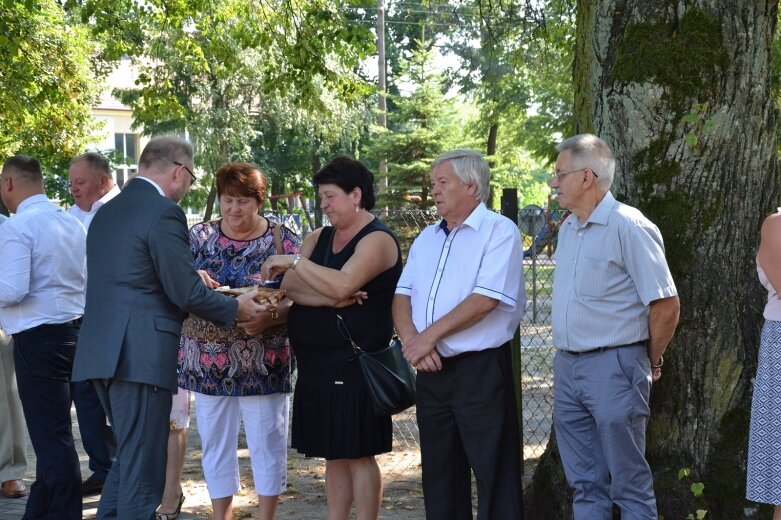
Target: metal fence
539	233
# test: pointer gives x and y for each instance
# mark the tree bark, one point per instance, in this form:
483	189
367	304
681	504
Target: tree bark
681	92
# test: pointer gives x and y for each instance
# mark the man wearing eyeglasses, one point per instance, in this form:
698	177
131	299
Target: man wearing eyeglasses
140	287
615	309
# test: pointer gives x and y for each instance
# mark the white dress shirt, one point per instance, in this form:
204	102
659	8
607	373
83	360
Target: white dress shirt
482	256
85	217
153	183
45	267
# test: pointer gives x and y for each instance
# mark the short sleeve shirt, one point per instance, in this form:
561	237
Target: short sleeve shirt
608	271
483	256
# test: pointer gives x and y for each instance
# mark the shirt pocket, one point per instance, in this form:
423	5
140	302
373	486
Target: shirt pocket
597	277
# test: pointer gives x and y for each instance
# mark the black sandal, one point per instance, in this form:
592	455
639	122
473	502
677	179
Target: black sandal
174	515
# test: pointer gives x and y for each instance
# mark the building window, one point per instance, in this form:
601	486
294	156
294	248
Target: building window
127	146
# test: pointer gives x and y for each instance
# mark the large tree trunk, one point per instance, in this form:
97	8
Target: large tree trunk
681	91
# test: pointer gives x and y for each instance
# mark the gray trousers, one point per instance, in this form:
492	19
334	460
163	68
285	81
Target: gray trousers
13	433
600	414
139	414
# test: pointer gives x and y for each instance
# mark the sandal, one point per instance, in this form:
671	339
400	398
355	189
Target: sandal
171	516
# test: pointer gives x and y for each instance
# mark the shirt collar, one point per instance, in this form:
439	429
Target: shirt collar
600	215
474	220
29	201
153	183
110	194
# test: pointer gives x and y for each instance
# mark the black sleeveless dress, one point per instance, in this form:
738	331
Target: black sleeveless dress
332	413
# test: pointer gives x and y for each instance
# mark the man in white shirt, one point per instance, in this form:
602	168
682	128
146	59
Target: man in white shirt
92	186
41	304
458	304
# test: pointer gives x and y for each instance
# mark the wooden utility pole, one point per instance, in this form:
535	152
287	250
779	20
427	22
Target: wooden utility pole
381	115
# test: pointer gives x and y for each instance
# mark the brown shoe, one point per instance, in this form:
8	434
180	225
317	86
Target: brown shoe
14	489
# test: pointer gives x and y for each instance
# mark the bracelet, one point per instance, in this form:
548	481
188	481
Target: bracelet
661	362
296	259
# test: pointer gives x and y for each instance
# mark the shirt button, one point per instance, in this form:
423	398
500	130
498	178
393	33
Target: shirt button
580	233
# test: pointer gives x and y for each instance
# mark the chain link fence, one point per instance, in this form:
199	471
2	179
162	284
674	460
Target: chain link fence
401	468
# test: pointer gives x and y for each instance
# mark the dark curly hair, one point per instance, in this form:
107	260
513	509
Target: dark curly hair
348	174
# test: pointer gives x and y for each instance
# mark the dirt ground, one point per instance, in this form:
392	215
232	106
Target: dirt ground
305	497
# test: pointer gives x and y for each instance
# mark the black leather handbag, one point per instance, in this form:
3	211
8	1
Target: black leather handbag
389	378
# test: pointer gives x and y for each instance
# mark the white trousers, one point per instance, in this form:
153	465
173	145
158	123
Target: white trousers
266	419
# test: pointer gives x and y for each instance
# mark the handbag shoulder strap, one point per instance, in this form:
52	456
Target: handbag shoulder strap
277	236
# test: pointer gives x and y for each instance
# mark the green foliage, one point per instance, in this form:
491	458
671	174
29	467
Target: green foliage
696	489
49	85
215	68
419	129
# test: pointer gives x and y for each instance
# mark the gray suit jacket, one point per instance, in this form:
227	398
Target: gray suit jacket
140	287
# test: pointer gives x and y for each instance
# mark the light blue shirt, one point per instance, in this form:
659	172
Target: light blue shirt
45	266
608	271
483	256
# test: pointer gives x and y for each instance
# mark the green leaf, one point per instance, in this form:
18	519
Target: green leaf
690	117
701	514
697	489
683	473
691	139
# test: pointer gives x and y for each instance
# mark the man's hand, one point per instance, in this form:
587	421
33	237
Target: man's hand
430	363
417	347
656	374
249	309
208	281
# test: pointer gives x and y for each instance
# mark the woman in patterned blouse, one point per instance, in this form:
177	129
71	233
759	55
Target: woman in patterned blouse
242	373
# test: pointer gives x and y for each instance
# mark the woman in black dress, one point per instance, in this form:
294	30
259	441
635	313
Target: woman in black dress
351	268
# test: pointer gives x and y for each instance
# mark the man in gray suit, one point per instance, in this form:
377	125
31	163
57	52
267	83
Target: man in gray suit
140	287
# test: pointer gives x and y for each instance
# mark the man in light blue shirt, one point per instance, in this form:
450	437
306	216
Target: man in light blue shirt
615	309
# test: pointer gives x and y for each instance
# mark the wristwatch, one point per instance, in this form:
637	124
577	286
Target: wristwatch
296	259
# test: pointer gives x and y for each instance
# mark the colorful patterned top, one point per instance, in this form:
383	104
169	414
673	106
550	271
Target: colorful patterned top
215	361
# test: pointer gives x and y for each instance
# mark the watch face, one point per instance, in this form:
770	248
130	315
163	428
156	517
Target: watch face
273	284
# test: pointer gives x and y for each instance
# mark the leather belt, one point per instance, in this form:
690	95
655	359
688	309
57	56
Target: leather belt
72	323
460	356
602	349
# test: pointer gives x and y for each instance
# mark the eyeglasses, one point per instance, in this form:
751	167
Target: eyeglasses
558	175
188	171
340	325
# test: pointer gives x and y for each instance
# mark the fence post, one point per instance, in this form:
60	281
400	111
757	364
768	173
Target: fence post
510	210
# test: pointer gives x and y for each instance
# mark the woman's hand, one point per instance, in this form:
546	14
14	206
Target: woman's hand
264	320
358	297
208	281
276	265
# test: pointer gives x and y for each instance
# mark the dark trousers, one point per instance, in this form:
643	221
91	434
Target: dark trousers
96	435
44	359
139	414
468	420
